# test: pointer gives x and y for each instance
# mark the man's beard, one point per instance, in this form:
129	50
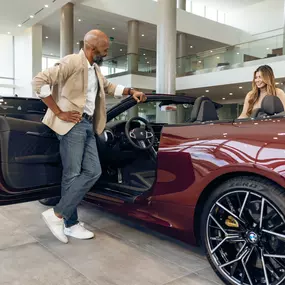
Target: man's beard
98	60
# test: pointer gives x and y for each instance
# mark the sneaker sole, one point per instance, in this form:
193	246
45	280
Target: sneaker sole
79	237
45	220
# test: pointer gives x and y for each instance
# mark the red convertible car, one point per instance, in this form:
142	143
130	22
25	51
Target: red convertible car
218	183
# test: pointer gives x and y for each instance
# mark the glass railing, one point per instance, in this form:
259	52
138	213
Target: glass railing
208	61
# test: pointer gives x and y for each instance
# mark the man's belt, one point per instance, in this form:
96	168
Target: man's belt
87	117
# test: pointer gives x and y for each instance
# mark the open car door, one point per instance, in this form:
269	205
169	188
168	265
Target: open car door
29	152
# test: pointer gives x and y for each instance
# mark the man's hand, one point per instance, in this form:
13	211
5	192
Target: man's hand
71	116
139	97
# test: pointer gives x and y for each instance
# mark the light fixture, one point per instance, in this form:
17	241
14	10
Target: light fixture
211	51
199	61
142	35
277	83
113	28
79	20
77	43
148	62
46	6
51	54
19	25
231	94
144	54
8	33
218	57
191	46
145	58
267	48
46	37
224	98
240	87
121	49
31	16
207	91
237	52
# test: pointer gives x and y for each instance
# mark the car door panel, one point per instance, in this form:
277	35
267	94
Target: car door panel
29	154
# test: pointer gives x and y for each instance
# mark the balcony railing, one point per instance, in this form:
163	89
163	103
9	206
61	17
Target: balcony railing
208	61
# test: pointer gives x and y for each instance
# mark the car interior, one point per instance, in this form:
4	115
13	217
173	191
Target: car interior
127	148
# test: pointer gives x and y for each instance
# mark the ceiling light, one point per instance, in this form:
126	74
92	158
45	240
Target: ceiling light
200	61
148	62
191	46
121	49
218	57
77	43
46	6
142	35
46	37
224	98
51	54
277	83
267	48
211	51
145	57
31	16
79	20
19	25
237	52
144	54
231	94
240	87
113	28
207	91
8	33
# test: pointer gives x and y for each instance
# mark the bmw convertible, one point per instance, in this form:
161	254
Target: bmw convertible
171	163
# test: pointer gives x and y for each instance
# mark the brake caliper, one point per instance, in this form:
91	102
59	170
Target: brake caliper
231	222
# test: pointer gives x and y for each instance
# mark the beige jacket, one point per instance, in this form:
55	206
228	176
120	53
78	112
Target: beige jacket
68	81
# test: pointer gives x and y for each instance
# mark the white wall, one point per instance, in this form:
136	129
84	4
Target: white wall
258	18
28	60
188	23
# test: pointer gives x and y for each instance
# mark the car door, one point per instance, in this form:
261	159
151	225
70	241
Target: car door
29	152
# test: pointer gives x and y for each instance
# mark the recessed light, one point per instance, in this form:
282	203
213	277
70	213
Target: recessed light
77	43
145	58
224	98
148	62
121	49
113	28
207	91
19	25
267	48
199	61
240	87
144	54
31	16
142	35
46	6
8	33
79	20
191	46
211	51
277	83
231	94
237	52
218	57
46	37
51	54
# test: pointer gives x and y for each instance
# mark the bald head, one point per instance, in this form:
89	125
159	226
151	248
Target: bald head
96	45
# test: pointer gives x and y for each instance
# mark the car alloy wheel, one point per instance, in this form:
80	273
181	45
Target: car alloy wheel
246	238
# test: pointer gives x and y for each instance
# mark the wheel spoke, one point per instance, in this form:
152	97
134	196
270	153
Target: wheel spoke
230	212
261	213
217	223
243	204
245	252
274	256
244	265
264	267
228	237
274	234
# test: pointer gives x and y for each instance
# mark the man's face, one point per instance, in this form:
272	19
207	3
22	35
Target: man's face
100	51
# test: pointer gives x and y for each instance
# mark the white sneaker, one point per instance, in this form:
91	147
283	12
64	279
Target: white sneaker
55	224
78	231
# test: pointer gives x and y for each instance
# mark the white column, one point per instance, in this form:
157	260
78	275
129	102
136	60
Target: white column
166	51
28	59
181	4
66	30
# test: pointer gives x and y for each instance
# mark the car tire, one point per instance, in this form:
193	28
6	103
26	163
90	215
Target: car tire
50	201
255	197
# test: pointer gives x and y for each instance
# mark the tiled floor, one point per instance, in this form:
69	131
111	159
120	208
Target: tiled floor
123	253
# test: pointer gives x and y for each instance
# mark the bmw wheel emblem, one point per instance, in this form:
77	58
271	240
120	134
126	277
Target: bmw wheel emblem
253	238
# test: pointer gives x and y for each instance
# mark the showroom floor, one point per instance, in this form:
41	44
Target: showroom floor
123	253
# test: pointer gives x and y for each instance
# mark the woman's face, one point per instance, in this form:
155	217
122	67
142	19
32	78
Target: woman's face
259	80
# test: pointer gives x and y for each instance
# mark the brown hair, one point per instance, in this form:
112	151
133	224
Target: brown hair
269	79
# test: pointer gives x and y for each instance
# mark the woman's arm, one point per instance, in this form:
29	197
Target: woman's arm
243	114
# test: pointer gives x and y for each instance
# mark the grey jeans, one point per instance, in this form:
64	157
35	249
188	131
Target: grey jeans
81	169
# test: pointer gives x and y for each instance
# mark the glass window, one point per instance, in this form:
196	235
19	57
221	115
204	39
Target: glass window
6	91
198	9
51	61
6	56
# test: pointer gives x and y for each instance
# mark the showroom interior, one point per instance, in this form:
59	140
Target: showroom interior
178	47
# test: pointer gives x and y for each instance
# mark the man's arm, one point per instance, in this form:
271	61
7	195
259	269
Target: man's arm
50	77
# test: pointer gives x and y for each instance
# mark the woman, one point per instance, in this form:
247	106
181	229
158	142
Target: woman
263	84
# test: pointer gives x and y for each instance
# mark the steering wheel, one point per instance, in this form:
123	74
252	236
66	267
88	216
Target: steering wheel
140	138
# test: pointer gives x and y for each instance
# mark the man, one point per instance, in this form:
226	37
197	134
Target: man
74	91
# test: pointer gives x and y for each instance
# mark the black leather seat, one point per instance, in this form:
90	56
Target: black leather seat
270	105
204	109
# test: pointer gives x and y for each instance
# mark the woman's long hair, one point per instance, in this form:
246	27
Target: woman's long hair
269	79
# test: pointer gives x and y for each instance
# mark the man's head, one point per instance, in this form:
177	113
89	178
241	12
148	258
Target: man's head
96	45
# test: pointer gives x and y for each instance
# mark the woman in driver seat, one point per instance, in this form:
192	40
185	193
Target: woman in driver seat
263	84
